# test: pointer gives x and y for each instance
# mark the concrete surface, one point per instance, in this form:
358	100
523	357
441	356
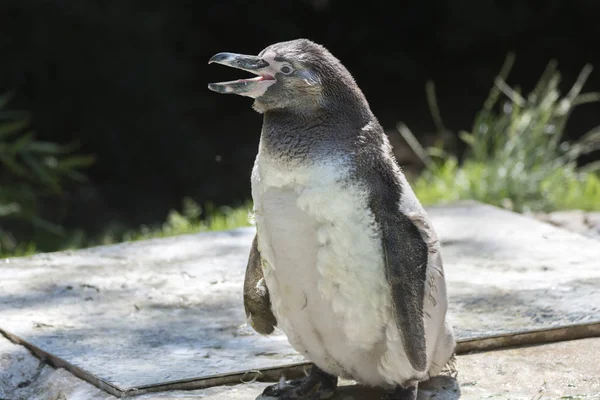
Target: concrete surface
565	370
160	311
586	223
141	313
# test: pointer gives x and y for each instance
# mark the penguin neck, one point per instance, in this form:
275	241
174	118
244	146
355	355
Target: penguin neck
303	136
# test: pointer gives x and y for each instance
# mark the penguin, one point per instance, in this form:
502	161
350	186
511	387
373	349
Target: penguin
345	260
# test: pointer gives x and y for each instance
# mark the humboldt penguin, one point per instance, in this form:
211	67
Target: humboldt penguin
345	260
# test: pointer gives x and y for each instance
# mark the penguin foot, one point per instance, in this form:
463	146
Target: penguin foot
402	393
319	385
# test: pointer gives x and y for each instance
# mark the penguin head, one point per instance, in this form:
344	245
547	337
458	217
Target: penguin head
297	74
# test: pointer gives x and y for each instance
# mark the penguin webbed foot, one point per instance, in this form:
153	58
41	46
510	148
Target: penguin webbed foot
402	393
319	385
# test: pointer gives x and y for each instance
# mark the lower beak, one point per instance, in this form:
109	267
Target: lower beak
254	87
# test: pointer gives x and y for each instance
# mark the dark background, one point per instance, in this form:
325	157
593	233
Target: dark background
127	79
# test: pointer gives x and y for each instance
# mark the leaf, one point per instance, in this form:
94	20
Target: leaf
47	225
584	98
8	209
591	136
75	162
12	165
538	91
436	152
22	142
580	149
503	74
76	176
42	173
414	144
467	137
581	79
68	148
8	128
594	166
45	147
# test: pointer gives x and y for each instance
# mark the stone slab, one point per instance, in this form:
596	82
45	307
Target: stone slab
565	370
168	312
508	273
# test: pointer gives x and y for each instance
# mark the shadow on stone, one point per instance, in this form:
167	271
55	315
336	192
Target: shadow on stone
438	388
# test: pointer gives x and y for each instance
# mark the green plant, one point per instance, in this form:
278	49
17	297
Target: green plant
516	156
191	219
194	219
30	170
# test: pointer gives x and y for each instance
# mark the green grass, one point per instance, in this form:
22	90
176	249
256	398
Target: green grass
32	171
192	219
516	156
559	190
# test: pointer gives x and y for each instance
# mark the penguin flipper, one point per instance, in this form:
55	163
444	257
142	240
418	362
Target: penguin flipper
257	302
406	257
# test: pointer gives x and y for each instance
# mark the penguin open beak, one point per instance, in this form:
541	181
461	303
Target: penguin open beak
253	87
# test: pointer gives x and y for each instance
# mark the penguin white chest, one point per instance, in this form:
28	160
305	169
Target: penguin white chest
323	266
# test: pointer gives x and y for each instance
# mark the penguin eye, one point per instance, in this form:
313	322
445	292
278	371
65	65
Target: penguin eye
286	70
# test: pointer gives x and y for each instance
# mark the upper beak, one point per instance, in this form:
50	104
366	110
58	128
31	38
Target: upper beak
239	61
254	87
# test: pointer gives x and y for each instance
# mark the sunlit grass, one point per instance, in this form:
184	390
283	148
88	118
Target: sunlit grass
561	189
191	219
19	250
516	156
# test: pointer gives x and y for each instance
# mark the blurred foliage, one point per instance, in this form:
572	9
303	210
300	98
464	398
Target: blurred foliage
191	219
516	154
30	170
127	79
